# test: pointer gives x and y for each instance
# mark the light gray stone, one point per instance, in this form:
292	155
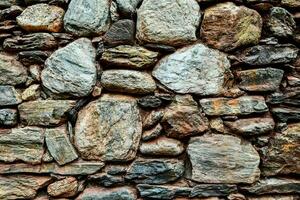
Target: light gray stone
9	96
199	70
8	117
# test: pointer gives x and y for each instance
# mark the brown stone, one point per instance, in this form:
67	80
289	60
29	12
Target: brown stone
226	26
63	188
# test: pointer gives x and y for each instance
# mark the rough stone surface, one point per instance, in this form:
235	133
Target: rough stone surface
168	22
63	188
128	81
251	126
162	146
21	186
120	32
42	17
109	129
280	22
34	41
199	70
274	185
119	193
22	144
268	54
127	8
286	114
227	26
45	112
31	93
239	106
59	145
260	80
9	96
8	117
152	133
85	18
183	118
126	56
283	154
12	71
155	171
71	71
275	197
222	159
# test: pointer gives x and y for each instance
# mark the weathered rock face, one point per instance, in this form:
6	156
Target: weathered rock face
67	73
162	147
260	80
280	22
286	114
63	188
126	56
22	144
283	154
239	106
155	171
8	117
222	159
21	186
41	17
12	71
275	197
268	54
226	26
45	112
87	17
34	41
183	118
9	96
127	8
168	22
59	145
128	81
274	185
251	126
120	32
119	193
109	129
199	70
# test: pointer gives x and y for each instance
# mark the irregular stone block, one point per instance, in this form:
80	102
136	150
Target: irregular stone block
86	18
22	144
8	117
67	187
21	186
155	171
128	81
34	41
9	96
127	8
33	57
163	191
168	22
283	154
199	70
45	112
109	129
239	106
126	56
71	71
119	193
59	145
183	118
162	146
152	133
41	17
226	26
251	126
12	71
286	114
273	185
222	159
260	80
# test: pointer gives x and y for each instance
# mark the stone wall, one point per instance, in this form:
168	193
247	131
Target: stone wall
150	99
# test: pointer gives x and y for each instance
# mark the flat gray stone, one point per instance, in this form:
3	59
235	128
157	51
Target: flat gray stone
168	22
9	96
8	117
86	18
128	81
70	71
199	70
222	159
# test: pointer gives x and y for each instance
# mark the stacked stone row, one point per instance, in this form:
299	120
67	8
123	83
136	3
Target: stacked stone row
145	99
